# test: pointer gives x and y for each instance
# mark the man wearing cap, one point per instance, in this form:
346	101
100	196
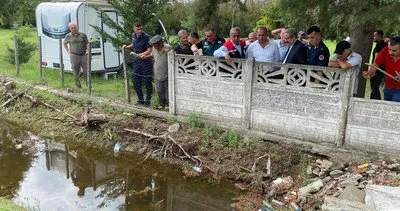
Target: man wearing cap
318	52
233	48
302	37
77	50
159	54
345	58
142	64
390	58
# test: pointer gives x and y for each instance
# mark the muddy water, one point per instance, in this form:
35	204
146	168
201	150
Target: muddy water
53	176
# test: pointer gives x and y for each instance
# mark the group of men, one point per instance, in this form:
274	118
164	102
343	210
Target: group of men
287	47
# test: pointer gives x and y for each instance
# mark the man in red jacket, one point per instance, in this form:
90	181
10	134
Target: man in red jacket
233	48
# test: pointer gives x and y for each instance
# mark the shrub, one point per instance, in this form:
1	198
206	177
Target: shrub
25	49
230	138
195	121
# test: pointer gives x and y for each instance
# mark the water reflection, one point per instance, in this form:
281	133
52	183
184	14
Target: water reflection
74	178
13	163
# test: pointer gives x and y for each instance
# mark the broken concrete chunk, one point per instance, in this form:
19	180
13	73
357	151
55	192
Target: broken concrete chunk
335	204
309	170
382	197
336	173
327	179
352	193
311	188
316	171
324	165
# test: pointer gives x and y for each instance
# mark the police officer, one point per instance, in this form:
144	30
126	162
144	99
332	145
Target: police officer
319	53
142	64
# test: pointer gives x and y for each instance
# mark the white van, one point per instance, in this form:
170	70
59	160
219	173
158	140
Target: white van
52	24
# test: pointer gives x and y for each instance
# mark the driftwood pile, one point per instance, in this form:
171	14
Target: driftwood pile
10	96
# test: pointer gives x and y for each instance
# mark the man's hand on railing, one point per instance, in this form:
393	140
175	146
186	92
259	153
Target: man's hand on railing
228	59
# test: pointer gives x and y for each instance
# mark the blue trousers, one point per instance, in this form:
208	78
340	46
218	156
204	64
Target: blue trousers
391	95
143	74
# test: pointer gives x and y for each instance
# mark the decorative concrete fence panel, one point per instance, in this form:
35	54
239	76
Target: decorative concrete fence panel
292	101
300	101
207	86
373	125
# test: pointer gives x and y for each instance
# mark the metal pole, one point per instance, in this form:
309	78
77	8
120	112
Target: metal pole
89	70
16	54
61	62
40	58
127	93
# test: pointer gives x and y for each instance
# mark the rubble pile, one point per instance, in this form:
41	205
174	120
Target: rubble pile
339	186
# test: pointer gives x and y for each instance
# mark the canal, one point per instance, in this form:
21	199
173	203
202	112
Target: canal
41	174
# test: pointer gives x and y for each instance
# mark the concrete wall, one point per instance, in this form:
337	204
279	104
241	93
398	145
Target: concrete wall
373	125
299	102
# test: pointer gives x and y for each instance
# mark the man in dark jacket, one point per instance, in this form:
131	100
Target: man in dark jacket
297	52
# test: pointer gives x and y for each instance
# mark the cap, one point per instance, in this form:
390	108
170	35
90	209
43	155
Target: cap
341	46
301	33
157	38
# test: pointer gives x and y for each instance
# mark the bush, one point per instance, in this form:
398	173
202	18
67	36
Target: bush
25	49
230	138
195	121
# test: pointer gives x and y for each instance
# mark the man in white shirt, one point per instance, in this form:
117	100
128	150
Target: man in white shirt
345	58
263	50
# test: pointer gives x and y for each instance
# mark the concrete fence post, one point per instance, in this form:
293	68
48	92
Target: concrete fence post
247	75
171	83
345	100
126	78
16	54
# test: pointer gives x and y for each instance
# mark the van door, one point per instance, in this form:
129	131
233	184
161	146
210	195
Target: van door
111	56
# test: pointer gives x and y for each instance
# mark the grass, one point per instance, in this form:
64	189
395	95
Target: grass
8	205
112	89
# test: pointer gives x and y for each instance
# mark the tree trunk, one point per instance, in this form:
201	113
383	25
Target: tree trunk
361	38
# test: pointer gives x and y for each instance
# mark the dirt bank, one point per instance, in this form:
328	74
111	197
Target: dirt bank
250	164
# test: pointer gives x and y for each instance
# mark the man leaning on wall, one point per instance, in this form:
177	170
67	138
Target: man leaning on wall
346	59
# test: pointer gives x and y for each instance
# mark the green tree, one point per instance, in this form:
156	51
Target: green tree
21	12
344	17
131	11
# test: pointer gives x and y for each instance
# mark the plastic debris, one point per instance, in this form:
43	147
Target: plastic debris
363	166
274	201
196	169
271	193
267	205
295	206
117	148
